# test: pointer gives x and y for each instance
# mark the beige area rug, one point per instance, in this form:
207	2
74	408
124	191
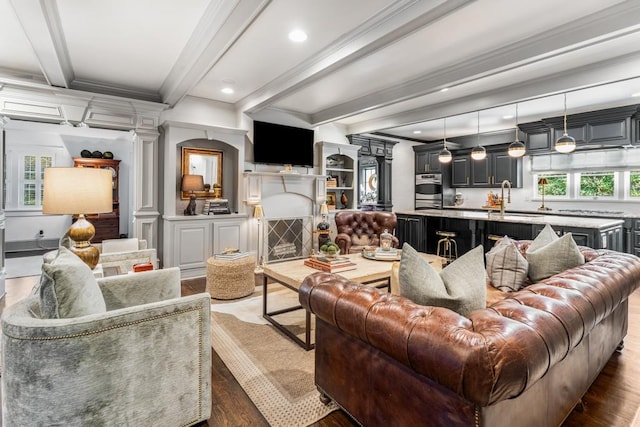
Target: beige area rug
276	373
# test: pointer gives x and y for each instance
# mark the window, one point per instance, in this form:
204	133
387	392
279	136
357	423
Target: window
597	184
634	183
556	185
31	186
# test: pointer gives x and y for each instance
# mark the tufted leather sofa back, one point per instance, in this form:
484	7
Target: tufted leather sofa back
356	229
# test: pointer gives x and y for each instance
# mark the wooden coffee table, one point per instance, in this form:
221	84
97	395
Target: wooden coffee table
291	274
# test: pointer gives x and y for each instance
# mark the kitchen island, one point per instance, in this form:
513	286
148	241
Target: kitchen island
474	227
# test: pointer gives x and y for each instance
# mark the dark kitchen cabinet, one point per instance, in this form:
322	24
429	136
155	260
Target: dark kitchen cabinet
461	171
490	172
603	238
410	229
427	158
613	127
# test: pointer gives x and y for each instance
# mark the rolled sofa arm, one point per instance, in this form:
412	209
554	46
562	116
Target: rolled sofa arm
143	365
343	240
126	290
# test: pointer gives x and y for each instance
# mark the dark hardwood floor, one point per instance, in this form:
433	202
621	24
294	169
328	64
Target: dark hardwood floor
613	399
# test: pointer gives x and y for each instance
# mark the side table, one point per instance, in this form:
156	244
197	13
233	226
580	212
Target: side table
229	279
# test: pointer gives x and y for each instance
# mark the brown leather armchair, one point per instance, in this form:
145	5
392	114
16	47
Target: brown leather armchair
358	229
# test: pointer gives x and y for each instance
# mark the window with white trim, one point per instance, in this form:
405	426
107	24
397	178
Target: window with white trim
31	179
557	185
597	184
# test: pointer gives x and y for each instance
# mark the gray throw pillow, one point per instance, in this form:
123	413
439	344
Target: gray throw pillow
506	266
68	288
460	286
552	256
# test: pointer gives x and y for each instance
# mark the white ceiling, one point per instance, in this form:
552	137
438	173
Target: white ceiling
371	65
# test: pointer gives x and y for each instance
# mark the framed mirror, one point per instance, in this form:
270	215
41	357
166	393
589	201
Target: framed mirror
368	179
205	162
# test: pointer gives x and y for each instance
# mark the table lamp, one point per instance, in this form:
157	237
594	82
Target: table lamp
79	191
192	183
323	226
542	182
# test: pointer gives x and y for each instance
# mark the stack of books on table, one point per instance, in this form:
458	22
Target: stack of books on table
391	254
332	265
231	255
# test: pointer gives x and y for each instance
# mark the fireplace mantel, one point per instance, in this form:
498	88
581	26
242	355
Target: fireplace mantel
261	185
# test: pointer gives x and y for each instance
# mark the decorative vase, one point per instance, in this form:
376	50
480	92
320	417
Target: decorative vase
344	200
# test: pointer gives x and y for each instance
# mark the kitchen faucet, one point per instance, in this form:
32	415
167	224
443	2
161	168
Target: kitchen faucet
508	184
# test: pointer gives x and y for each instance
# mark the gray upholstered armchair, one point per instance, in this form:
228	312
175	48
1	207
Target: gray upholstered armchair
145	361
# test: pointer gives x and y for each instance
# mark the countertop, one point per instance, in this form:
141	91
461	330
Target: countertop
523	218
569	212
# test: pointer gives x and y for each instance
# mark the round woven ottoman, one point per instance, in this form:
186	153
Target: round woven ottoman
229	279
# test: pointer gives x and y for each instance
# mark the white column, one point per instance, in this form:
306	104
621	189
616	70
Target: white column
145	186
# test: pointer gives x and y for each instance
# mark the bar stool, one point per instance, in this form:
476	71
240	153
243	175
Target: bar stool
448	245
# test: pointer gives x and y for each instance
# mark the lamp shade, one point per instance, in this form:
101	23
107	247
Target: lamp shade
77	191
258	212
324	209
542	181
192	183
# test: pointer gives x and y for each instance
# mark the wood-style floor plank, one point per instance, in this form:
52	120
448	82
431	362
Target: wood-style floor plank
613	400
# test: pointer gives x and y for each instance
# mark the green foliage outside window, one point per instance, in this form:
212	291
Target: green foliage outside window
596	184
556	185
634	187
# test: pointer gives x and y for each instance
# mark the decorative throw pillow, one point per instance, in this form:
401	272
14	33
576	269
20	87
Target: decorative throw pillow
549	256
506	266
68	288
460	286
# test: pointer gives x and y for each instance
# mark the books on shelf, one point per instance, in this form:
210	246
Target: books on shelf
216	206
332	267
232	255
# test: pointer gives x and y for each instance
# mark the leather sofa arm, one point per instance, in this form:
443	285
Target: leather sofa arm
343	240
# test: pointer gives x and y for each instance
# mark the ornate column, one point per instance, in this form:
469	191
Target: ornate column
3	121
145	186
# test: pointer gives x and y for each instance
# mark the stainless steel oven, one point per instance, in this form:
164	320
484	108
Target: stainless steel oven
429	191
432	191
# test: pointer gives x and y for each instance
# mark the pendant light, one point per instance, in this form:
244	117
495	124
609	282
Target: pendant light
516	148
445	155
478	152
565	144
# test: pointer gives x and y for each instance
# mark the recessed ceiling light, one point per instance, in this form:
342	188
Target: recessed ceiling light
417	132
227	90
507	117
297	36
444	89
636	95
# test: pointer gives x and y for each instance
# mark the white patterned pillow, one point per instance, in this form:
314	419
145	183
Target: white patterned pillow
460	286
552	255
68	288
506	267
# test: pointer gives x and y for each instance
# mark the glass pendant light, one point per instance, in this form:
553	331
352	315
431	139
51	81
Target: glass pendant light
516	148
478	152
565	144
445	155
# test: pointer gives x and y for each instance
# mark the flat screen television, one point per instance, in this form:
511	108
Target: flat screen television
282	145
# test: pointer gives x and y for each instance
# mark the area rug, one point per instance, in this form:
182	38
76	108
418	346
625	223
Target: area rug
276	373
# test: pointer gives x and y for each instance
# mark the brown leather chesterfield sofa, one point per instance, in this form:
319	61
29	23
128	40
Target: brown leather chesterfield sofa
526	360
358	229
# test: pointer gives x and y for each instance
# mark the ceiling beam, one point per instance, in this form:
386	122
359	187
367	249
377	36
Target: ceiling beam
614	22
222	23
390	25
40	21
611	70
